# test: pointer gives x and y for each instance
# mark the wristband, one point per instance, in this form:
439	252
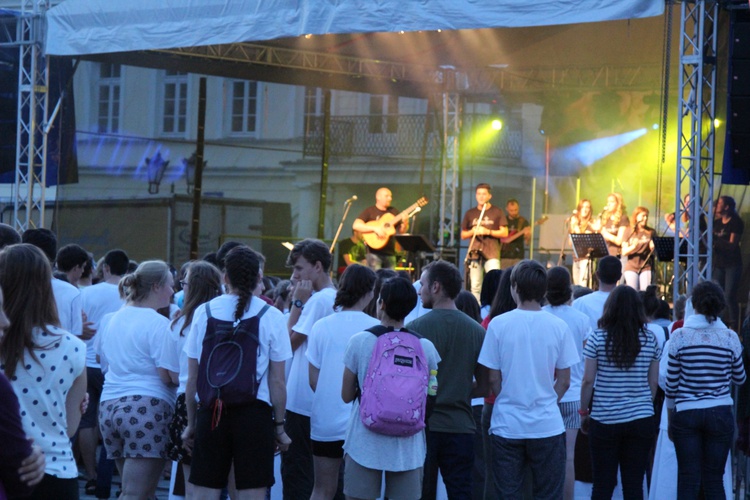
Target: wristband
279	424
584	413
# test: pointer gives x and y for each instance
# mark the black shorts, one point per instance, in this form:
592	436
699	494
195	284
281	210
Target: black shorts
94	385
244	437
328	449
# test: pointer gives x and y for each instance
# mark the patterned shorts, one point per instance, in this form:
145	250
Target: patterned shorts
135	427
175	451
570	416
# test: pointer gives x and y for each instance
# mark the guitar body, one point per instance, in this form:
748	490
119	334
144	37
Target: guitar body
386	222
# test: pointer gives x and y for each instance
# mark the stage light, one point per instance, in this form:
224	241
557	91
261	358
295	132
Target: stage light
497	125
541	131
717	123
588	152
655	126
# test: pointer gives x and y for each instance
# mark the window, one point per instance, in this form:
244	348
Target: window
313	107
383	114
108	113
244	107
175	102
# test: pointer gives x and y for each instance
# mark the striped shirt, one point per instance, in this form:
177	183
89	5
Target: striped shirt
621	395
704	359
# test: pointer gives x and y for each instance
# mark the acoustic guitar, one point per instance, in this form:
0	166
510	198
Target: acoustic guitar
388	223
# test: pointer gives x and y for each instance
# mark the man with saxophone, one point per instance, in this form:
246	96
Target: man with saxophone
484	224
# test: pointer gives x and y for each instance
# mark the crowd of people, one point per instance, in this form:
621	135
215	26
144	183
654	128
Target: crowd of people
375	379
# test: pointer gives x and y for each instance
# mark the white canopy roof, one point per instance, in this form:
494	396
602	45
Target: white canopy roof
79	27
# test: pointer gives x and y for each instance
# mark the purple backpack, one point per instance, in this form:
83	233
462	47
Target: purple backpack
394	392
227	372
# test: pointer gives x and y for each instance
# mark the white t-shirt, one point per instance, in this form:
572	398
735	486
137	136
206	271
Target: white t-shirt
580	329
659	333
298	393
272	334
69	309
175	357
527	347
368	448
592	305
42	387
97	341
326	345
133	341
98	300
419	310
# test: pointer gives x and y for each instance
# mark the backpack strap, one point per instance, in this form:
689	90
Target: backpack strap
263	311
208	310
379	330
666	333
382	330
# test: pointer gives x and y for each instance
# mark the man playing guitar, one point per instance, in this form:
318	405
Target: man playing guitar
485	224
384	257
512	250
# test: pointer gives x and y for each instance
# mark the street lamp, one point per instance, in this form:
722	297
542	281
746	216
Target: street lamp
189	167
155	168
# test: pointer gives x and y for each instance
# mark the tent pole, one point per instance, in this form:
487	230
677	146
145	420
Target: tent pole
324	163
198	186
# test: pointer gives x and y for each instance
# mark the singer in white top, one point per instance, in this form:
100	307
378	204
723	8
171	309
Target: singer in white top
582	222
484	225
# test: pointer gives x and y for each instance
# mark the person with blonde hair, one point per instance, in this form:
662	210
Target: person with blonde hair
582	222
45	365
138	396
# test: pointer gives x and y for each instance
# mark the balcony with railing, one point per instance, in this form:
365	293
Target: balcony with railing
409	136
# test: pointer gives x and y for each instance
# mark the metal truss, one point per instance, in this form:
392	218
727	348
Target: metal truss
696	135
451	115
31	139
479	80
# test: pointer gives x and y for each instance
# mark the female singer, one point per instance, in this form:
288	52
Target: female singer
613	223
638	247
581	222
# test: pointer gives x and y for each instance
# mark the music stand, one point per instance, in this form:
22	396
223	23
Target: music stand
415	244
589	246
664	248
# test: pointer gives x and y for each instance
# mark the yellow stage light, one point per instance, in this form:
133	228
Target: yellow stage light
497	125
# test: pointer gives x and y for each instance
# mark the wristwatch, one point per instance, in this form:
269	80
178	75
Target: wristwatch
298	303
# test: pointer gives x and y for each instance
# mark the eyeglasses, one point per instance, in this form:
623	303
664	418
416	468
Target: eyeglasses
183	284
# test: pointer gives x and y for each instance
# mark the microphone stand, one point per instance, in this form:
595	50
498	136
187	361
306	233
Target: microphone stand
565	238
347	205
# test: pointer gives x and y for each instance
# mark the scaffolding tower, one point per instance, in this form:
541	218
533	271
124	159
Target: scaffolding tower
29	188
449	172
696	134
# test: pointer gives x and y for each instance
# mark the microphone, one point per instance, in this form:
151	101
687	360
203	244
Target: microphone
353	198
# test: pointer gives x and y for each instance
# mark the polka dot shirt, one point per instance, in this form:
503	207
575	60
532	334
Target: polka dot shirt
42	386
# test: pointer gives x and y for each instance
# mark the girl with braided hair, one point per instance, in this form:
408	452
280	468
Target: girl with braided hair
238	450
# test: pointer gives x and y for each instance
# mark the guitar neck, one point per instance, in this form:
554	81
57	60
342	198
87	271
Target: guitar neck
404	214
